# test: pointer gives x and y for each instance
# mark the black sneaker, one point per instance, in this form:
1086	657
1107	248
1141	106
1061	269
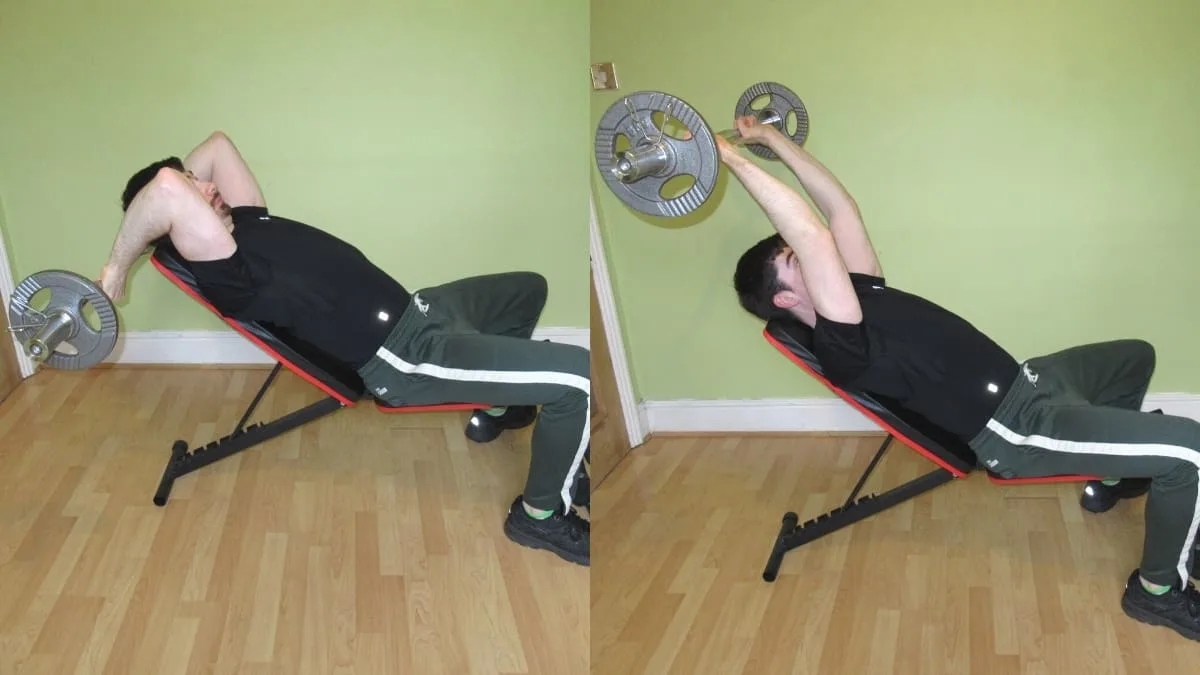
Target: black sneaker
484	428
565	534
1176	609
1098	497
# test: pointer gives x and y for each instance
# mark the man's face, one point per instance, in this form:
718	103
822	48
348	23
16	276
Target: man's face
211	194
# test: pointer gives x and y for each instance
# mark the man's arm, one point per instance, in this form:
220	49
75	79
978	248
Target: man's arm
218	160
831	197
816	250
169	205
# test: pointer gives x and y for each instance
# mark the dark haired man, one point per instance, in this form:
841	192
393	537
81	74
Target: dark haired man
466	340
1077	411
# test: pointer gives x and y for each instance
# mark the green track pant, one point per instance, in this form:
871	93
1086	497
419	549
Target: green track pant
1078	411
469	341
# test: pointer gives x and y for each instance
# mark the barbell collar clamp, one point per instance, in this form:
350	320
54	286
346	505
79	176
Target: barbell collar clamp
636	163
60	328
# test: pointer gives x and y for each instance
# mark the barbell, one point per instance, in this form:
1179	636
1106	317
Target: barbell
638	173
58	333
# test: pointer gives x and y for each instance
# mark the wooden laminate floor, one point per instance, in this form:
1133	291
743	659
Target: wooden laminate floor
970	578
360	543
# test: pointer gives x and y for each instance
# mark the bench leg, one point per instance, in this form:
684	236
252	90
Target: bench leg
184	461
258	397
862	480
792	536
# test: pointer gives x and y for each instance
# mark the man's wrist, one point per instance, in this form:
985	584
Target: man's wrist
774	137
733	159
111	274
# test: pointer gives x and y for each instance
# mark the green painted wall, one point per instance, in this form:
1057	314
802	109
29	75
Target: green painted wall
403	126
1033	166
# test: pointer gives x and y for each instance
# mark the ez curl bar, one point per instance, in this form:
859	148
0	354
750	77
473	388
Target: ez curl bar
637	174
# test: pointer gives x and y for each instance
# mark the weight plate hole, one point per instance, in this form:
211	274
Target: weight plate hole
90	316
40	300
792	123
671	126
676	186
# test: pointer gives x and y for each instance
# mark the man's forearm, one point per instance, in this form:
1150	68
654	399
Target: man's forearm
834	201
219	161
146	220
816	252
830	196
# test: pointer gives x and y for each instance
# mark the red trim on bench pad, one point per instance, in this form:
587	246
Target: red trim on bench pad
437	407
858	406
1040	479
916	446
248	335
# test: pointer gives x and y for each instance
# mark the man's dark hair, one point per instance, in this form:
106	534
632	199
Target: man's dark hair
756	280
143	177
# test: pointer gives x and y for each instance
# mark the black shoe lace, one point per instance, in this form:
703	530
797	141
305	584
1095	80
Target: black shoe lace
577	527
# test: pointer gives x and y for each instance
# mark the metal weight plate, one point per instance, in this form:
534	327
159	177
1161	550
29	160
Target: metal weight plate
781	101
69	294
696	156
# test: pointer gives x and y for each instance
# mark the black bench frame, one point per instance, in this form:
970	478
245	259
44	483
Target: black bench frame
342	386
954	459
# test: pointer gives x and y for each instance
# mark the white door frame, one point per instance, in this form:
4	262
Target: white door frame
7	286
605	297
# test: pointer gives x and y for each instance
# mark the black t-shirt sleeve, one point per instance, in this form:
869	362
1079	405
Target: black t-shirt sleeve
229	284
843	349
860	279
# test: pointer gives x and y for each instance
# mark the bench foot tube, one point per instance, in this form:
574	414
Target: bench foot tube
183	461
790	536
178	452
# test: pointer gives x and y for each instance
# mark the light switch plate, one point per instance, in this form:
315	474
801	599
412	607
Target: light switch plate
604	76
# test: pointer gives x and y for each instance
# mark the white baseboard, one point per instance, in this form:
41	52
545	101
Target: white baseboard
812	414
226	347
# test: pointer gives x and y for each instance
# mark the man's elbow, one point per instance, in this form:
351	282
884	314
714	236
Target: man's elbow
220	138
846	218
166	187
849	313
814	236
167	180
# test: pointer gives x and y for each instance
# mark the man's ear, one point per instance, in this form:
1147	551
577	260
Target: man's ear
785	299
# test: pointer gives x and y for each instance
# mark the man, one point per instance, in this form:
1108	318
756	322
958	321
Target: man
467	340
1077	411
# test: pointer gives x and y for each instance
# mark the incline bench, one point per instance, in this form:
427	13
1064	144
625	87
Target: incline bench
342	385
954	459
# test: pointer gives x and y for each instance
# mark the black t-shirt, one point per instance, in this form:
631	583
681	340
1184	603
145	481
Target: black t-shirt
313	285
922	356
